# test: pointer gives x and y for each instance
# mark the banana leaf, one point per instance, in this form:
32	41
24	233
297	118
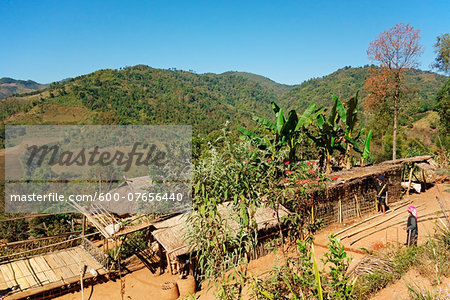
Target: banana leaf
352	112
269	124
280	120
353	142
290	126
341	110
275	107
307	116
366	151
251	135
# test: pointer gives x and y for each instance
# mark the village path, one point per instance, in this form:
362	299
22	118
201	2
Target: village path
142	284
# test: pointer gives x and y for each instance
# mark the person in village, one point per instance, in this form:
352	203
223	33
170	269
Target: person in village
411	227
381	194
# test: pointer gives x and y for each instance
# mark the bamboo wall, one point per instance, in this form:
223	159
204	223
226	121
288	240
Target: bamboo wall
357	196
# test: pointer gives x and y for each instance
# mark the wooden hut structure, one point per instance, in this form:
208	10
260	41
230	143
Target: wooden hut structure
354	192
170	233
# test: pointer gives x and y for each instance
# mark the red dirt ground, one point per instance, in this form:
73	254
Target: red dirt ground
142	284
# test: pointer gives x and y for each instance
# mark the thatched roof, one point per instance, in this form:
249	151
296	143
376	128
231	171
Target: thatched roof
170	233
357	173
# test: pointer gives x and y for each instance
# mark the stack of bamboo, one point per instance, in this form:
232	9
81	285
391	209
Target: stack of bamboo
370	265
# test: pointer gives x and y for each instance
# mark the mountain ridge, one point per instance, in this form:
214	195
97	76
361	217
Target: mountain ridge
144	95
10	86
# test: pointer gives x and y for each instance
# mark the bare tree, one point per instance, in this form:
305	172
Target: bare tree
396	50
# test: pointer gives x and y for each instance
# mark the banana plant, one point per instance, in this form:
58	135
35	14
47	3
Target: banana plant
349	117
329	137
282	131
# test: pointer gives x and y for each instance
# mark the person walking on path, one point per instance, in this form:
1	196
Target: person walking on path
411	227
381	194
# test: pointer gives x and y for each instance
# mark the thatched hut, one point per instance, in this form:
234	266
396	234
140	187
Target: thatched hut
354	193
171	233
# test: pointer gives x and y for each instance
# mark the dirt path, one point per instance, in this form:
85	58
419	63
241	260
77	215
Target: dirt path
399	289
142	284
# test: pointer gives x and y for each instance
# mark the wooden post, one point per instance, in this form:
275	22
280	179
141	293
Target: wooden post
340	211
386	201
161	265
169	263
376	203
410	179
424	181
83	226
356	206
82	270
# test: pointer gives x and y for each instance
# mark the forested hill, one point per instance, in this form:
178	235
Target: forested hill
9	86
144	95
422	86
278	88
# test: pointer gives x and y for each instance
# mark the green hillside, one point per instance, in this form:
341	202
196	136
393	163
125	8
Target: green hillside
278	88
422	86
144	95
9	86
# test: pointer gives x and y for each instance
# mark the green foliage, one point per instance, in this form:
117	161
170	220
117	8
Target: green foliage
371	283
51	225
344	82
443	107
436	251
143	95
335	133
300	278
14	230
442	49
281	132
222	251
131	244
340	285
418	293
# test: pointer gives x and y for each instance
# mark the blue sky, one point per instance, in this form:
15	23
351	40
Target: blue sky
287	41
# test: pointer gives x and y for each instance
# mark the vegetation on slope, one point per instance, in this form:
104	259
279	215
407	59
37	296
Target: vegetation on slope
143	95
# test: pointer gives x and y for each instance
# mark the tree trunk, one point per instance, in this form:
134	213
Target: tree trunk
394	134
348	163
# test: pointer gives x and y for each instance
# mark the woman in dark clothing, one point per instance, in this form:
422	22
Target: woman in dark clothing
411	227
381	194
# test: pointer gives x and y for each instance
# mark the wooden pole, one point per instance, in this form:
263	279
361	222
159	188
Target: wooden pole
358	209
161	267
370	218
340	211
375	231
82	270
376	224
83	226
169	263
410	179
387	197
424	180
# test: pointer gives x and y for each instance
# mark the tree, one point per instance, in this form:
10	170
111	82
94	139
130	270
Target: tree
443	106
396	50
442	49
